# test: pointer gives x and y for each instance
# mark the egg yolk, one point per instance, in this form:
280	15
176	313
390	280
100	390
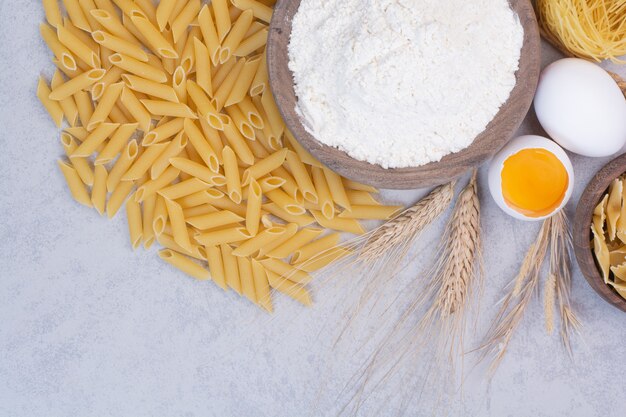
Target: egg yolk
534	182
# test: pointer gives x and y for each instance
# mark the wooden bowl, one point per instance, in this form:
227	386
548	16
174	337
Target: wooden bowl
497	133
582	229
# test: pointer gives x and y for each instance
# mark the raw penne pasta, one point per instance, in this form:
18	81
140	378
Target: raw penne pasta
184	18
231	268
150	188
252	43
290	230
236	35
324	201
163	12
353	185
223	89
148	7
261	286
222	18
376	212
291	289
175	147
214	219
301	220
82	36
300	239
339	224
286	271
144	162
142	69
203	66
255	27
201	145
218	237
254	200
154	37
184	188
160	216
99	189
206	110
324	259
362	198
268	138
75	184
120	45
84	106
80	82
187	58
167	108
135	223
123	163
179	84
105	105
273	115
241	122
251	113
285	202
231	171
252	246
304	155
119	194
68	105
116	143
147	218
136	109
95	139
53	12
260	10
118	116
216	266
302	177
337	190
184	264
212	136
53	107
199	210
260	81
264	166
237	142
149	87
112	24
77	132
209	34
317	247
221	71
167	241
76	14
81	165
194	169
88	6
77	47
60	51
247	279
179	226
163	132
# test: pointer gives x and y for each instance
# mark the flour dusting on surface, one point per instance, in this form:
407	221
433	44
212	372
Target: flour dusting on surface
402	83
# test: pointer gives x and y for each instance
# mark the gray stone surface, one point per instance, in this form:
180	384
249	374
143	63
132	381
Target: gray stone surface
89	328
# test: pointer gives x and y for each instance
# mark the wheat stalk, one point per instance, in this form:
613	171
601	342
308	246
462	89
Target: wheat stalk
549	295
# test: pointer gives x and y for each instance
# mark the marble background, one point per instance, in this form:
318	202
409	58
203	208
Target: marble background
89	328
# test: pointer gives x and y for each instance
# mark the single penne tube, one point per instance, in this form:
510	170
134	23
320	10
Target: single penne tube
147	219
260	82
95	139
184	18
242	84
290	230
337	190
291	289
135	223
174	148
324	259
200	144
77	47
197	211
261	285
203	66
264	166
81	165
105	105
236	35
214	219
163	12
136	109
194	169
304	155
253	207
77	132
273	115
179	84
149	87
160	216
315	248
204	105
250	112
212	136
116	143
60	51
179	226
75	184
123	163
120	45
150	187
272	141
201	198
222	18
300	239
260	10
339	224
241	122
119	194
252	43
222	92
68	105
362	198
84	106
353	185
153	35
237	142
118	116
184	264
247	280
167	241
163	132
144	162
167	108
82	35
226	203
184	188
231	268
187	58
371	212
209	33
285	202
99	189
290	186
137	67
76	14
286	271
221	71
52	12
80	82
148	7
302	220
324	198
216	266
113	75
252	246
88	6
169	64
231	171
112	24
53	107
302	177
230	235
255	27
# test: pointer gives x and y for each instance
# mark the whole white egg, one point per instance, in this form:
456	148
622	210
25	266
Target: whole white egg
581	107
513	147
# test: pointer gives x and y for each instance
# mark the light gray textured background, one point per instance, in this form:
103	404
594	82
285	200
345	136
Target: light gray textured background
89	328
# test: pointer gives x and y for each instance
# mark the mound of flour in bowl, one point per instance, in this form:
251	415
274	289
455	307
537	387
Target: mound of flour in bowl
402	83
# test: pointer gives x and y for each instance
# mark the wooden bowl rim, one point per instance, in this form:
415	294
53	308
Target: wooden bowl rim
485	145
589	199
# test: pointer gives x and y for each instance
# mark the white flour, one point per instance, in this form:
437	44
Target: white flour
401	83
